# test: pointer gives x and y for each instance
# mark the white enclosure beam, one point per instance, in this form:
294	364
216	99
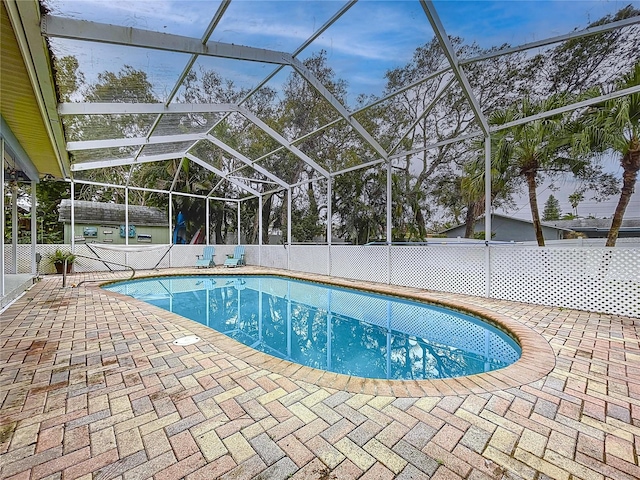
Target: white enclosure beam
569	108
220	173
487	188
132	142
239	222
116	108
260	232
557	39
441	143
207	216
73	217
487	213
358	167
115	162
14	227
154	190
322	90
389	202
282	141
205	38
170	210
126	216
234	153
59	27
422	115
2	219
520	121
297	51
447	47
34	225
187	68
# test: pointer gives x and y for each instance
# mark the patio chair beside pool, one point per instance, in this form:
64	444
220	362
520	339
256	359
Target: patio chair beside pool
237	258
206	259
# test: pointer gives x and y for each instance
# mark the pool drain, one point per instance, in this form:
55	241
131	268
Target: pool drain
188	340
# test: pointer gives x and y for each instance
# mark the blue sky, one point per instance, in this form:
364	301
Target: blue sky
372	37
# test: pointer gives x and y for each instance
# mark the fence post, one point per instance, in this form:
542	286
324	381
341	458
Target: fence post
487	269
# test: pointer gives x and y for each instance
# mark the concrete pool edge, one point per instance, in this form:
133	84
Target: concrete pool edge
536	361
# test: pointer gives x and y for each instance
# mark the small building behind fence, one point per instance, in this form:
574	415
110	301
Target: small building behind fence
97	222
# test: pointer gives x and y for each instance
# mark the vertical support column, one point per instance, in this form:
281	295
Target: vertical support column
389	219
260	230
126	216
259	310
329	218
487	213
289	326
170	210
207	213
34	225
238	222
2	198
14	227
388	338
329	330
73	217
289	228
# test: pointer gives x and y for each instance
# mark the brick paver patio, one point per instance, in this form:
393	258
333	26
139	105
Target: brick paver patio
91	386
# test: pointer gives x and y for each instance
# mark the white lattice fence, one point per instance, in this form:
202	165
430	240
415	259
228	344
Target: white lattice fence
595	279
458	269
309	258
274	256
360	263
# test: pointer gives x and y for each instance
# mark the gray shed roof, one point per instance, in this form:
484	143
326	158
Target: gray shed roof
111	214
596	224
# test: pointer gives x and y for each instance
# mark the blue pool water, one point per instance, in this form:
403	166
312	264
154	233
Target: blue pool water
330	328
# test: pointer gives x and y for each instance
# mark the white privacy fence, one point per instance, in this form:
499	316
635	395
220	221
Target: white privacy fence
586	278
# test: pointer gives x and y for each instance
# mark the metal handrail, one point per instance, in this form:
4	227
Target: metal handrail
64	271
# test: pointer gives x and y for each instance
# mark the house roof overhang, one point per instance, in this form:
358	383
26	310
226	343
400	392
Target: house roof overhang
33	134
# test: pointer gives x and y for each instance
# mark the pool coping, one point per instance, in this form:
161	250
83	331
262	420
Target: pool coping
536	361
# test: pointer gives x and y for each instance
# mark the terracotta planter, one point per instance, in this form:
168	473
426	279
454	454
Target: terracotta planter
59	266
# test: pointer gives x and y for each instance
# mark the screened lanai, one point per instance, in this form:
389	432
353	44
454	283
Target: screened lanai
336	142
324	122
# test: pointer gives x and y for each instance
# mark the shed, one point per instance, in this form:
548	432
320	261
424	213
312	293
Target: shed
97	222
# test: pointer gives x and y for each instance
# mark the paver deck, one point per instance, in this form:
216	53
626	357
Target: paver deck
91	386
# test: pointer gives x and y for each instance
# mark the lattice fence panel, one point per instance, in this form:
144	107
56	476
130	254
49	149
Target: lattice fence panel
309	258
445	268
185	255
274	256
86	265
360	262
596	279
221	252
23	259
251	254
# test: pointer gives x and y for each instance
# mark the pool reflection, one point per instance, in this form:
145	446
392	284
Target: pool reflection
334	329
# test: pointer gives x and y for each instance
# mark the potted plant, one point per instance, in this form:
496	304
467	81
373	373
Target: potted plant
58	258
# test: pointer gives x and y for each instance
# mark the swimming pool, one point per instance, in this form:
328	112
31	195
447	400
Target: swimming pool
332	328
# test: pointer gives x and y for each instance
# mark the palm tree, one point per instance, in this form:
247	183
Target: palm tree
473	186
534	148
574	199
618	124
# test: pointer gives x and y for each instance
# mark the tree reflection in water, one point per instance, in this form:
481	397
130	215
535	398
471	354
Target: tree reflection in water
334	329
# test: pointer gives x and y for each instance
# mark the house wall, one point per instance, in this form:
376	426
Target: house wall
111	234
509	230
